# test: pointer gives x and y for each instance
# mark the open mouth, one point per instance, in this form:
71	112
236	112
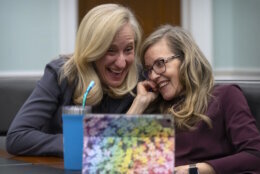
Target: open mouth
115	74
162	84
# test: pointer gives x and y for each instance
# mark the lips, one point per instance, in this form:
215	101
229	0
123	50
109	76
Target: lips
115	74
115	71
163	83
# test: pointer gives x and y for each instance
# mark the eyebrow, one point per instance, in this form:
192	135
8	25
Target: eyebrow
159	58
131	43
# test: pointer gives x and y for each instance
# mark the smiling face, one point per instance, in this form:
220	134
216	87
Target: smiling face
168	83
114	65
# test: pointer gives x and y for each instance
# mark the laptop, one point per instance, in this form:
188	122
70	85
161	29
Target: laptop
128	144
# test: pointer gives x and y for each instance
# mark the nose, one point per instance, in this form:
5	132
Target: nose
120	61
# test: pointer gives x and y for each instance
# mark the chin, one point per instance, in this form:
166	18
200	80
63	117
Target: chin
115	84
167	97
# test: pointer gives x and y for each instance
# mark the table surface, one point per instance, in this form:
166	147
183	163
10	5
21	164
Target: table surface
31	164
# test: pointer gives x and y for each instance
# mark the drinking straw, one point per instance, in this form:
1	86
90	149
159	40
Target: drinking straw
90	86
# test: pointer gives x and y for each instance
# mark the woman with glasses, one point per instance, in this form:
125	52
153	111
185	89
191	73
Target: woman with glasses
215	130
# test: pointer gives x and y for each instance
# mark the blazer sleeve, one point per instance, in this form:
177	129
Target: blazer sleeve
31	132
242	133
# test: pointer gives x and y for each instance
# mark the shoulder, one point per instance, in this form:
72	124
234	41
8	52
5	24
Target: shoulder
53	71
230	96
227	90
51	78
56	64
225	95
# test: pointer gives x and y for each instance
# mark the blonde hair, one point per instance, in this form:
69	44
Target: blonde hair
195	74
96	33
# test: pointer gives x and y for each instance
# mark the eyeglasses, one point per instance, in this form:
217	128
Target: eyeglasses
158	66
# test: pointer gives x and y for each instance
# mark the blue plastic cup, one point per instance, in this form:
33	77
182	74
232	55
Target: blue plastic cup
72	117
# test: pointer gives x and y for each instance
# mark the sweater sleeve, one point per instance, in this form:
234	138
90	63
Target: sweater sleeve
30	132
242	133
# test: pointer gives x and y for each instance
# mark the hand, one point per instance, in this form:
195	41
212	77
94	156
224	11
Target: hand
146	93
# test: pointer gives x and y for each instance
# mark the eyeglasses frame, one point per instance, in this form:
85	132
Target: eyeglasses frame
165	60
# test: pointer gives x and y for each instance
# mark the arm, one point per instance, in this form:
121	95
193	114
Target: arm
242	133
146	93
30	131
203	168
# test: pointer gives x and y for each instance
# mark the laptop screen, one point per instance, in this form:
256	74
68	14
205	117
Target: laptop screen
128	144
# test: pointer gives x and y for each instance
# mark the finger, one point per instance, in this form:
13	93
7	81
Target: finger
150	86
144	86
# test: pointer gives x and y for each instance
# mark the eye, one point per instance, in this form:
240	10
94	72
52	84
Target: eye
148	70
159	63
129	49
111	50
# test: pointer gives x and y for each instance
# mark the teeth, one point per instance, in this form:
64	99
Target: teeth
162	84
116	72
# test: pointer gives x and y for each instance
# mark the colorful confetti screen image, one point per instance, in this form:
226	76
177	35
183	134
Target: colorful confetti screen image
128	144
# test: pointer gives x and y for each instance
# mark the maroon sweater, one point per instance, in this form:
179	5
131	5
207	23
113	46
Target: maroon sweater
232	145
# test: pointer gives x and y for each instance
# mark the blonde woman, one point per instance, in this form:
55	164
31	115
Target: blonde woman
107	43
215	130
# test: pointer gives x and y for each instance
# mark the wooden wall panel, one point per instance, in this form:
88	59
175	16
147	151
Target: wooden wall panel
150	13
